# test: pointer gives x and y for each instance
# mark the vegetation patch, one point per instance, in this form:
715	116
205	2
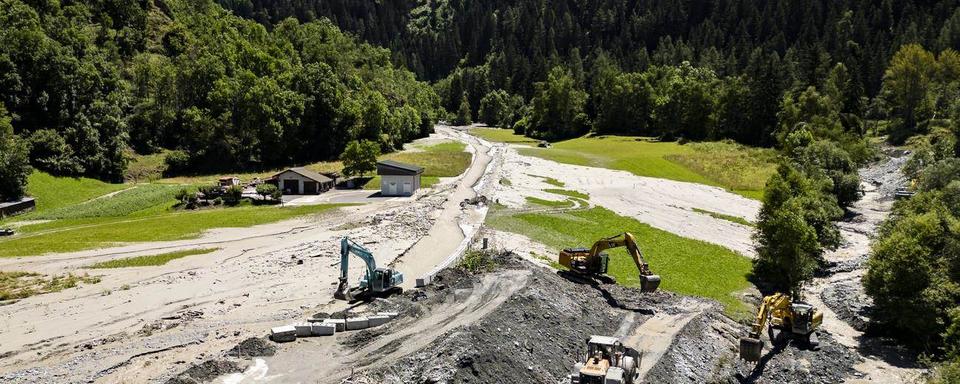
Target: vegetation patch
687	266
550	203
737	167
505	181
124	203
72	235
499	135
150	260
18	285
569	193
549	180
478	261
146	168
730	218
54	192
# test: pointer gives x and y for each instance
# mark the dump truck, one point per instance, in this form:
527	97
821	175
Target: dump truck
375	280
783	318
607	361
594	261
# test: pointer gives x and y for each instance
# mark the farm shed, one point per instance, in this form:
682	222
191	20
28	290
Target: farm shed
398	179
302	181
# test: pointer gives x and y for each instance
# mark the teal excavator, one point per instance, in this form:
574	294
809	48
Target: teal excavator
375	281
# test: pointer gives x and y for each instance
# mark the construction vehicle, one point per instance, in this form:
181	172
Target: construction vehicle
594	261
782	317
375	281
607	361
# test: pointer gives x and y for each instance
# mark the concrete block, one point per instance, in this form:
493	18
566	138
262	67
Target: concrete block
323	329
424	281
355	323
378	320
283	334
340	324
392	315
303	329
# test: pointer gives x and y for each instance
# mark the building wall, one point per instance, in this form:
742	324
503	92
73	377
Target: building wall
398	183
300	180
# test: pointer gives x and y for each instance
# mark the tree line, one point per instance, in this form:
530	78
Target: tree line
85	83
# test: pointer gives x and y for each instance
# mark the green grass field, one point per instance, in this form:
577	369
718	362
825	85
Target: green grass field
71	235
150	260
739	169
686	266
138	198
550	180
56	192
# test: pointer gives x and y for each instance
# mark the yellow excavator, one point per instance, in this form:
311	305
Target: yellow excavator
594	261
782	317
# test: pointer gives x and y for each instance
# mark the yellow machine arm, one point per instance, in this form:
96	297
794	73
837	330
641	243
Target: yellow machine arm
648	281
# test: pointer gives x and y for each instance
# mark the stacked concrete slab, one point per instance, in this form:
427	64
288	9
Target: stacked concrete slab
329	327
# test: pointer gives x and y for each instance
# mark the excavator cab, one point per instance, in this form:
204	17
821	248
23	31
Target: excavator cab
782	317
607	361
579	260
382	280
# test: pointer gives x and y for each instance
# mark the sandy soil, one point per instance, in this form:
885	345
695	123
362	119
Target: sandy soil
141	323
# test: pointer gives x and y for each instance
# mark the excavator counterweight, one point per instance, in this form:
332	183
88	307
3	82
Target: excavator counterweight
594	261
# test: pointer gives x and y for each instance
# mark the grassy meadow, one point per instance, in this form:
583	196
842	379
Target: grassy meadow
686	266
739	169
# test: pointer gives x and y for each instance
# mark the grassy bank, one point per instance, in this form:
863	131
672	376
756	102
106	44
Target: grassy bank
150	260
56	192
686	266
739	169
20	285
71	235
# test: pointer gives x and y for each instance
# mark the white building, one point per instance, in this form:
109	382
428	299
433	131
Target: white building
398	179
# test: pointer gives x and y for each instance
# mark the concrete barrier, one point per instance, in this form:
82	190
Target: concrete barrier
378	320
283	334
340	324
303	329
323	329
391	315
356	323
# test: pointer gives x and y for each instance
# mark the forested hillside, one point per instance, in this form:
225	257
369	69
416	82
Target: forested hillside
84	82
761	49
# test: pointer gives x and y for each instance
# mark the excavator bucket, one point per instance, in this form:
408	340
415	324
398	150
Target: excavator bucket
750	349
343	291
649	283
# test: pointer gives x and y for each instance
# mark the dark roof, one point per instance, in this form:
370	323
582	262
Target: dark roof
308	174
402	167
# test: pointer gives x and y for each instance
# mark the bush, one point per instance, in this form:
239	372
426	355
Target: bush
178	162
269	191
232	195
360	157
211	191
478	261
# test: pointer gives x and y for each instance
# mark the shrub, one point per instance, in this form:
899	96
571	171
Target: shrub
178	162
233	195
269	191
